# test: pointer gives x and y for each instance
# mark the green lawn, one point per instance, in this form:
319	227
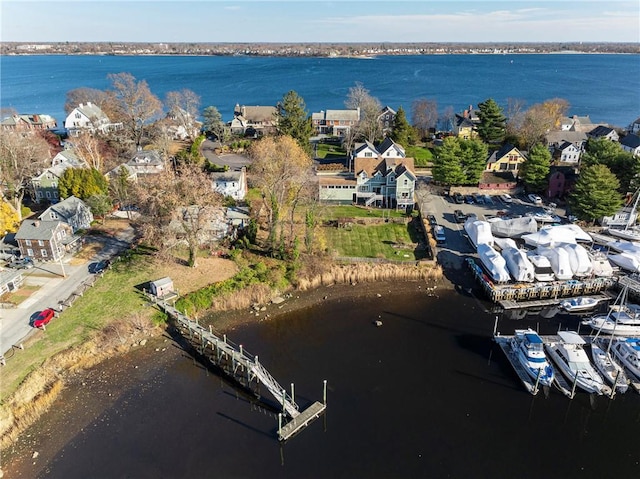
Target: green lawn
422	156
374	241
114	296
348	211
328	151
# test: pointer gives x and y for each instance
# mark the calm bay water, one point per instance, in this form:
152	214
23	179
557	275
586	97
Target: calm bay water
606	87
418	397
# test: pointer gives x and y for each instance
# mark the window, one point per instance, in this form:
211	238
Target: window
27	242
40	243
77	115
43	253
368	154
48	194
405	182
29	252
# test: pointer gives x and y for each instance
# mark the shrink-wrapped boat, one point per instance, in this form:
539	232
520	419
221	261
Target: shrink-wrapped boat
518	264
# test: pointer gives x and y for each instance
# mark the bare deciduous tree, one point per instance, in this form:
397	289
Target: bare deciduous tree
137	104
359	97
540	119
90	149
424	115
22	156
178	208
183	107
281	170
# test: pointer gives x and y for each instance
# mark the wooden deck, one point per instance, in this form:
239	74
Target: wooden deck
301	421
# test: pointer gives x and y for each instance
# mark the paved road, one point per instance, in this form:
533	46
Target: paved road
233	161
54	288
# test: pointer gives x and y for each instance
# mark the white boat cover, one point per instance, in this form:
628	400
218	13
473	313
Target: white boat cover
493	263
559	259
627	261
515	227
601	265
542	267
518	264
503	243
579	260
624	246
549	236
479	232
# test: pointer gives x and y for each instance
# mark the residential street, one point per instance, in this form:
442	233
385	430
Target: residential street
53	289
233	161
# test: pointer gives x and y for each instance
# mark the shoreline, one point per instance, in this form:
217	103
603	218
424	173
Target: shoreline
20	449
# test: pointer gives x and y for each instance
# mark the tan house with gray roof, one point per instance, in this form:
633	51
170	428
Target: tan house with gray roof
253	120
335	122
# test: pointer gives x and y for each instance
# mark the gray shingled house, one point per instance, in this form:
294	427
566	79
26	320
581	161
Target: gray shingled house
46	240
72	211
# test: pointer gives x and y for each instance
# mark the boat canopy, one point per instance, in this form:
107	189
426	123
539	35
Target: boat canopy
479	232
552	235
571	337
559	259
514	228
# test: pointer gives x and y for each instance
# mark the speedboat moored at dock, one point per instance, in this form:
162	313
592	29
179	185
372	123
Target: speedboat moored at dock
528	349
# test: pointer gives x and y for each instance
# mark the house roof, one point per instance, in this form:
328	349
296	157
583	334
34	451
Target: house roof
344	115
630	141
65	209
92	111
558	137
363	146
68	156
386	109
32	119
372	165
505	150
116	171
335	180
387	144
256	113
227	176
461	121
600	130
146	157
37	229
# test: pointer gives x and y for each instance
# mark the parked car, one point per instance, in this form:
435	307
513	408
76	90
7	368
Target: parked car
478	198
99	267
535	199
459	216
21	263
432	220
468	199
458	198
487	200
506	198
43	318
438	232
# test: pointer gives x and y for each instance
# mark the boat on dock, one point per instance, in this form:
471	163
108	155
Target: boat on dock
623	319
568	354
627	351
610	370
528	348
494	263
579	304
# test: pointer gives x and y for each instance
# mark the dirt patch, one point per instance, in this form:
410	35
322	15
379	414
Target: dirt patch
186	279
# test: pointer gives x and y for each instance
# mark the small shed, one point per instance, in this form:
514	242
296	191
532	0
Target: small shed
162	288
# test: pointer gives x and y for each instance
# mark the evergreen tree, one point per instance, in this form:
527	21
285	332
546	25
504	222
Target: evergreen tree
622	164
473	160
492	127
213	124
402	132
447	168
82	183
535	169
294	121
100	205
595	194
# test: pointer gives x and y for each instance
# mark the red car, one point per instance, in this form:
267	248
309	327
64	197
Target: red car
43	318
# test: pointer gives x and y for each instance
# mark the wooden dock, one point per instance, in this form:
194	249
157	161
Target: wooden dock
541	303
301	421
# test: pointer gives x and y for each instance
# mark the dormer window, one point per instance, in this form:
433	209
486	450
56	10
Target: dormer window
368	154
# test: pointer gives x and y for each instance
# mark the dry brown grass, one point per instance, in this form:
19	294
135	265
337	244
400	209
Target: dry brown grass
186	280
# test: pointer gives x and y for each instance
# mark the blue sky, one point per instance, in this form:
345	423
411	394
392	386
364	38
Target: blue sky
321	21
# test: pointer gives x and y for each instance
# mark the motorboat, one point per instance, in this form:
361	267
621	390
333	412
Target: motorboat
621	320
610	370
559	259
514	227
579	260
518	264
542	270
528	348
569	355
627	261
601	266
493	263
479	232
627	351
581	303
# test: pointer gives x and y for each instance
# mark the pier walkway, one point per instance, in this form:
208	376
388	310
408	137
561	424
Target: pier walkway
244	368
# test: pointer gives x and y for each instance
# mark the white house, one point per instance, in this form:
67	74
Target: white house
631	143
567	152
89	118
72	211
146	162
230	183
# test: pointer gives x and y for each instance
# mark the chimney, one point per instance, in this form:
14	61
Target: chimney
36	223
465	114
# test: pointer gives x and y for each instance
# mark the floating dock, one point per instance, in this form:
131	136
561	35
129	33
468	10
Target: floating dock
541	303
300	421
552	291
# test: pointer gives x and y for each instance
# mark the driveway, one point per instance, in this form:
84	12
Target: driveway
233	161
56	282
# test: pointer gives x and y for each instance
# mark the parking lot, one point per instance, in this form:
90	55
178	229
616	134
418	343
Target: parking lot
452	251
